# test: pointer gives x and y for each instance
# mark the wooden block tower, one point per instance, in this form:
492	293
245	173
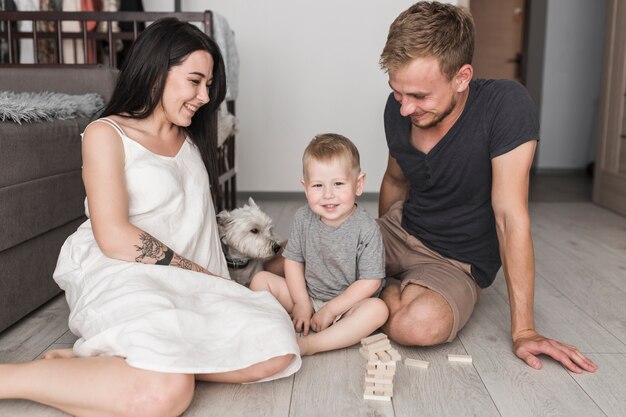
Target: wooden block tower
381	367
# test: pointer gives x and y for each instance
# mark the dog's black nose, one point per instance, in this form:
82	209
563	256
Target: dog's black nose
276	248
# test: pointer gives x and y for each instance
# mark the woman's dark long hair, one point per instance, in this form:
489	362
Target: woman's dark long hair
141	81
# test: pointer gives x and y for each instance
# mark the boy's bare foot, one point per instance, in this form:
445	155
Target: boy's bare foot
59	354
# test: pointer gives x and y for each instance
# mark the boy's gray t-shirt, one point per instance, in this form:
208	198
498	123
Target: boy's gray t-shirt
335	257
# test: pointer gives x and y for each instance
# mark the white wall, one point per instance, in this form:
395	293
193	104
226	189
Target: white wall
307	67
311	67
571	83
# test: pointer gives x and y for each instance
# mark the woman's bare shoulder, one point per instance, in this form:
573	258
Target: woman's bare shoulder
102	137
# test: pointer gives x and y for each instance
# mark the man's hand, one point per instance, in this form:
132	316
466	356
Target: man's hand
301	317
322	319
530	344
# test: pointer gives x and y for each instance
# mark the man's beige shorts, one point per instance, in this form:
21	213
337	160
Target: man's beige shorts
408	260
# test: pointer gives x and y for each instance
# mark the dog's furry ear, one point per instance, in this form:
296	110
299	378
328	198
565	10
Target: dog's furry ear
251	202
223	217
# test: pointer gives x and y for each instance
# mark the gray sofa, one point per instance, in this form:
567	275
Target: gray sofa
41	190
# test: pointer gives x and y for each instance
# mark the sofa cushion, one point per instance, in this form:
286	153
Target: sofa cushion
35	207
39	150
26	274
77	80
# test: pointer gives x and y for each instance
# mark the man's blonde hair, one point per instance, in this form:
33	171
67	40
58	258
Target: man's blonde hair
328	147
430	29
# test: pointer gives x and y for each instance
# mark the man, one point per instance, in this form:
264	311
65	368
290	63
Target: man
454	198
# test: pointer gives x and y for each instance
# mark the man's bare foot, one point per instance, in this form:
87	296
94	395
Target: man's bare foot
59	354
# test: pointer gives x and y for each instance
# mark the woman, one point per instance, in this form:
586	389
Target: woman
143	275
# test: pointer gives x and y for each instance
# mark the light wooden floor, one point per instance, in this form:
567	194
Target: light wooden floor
580	298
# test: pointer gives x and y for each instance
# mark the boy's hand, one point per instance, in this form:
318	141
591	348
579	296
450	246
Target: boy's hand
322	319
301	317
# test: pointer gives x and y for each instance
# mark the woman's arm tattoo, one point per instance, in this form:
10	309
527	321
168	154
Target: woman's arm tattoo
150	248
183	263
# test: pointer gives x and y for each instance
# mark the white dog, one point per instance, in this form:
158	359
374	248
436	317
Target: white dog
247	235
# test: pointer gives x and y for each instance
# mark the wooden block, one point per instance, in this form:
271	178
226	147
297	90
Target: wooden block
381	366
379	346
378	380
385	366
367	355
388	391
379	391
460	358
416	363
378	385
383	356
395	355
381	342
377	362
376	397
380	374
373	338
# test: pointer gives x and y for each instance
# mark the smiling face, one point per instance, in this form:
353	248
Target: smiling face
426	95
331	188
187	88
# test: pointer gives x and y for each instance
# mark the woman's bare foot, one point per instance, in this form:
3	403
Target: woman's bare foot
59	354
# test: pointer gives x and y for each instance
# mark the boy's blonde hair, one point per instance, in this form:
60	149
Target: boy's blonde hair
430	29
328	147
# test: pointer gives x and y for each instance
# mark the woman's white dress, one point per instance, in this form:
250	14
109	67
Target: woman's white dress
163	318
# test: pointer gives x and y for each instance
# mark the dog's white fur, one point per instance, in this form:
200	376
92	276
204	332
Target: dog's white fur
247	235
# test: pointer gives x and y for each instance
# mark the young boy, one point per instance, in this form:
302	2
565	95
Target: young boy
334	259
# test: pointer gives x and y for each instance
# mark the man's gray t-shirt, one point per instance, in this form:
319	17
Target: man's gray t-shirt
335	257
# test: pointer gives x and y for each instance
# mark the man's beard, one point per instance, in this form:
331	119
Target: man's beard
439	117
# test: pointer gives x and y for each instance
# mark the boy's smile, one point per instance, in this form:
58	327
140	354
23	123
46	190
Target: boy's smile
331	188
